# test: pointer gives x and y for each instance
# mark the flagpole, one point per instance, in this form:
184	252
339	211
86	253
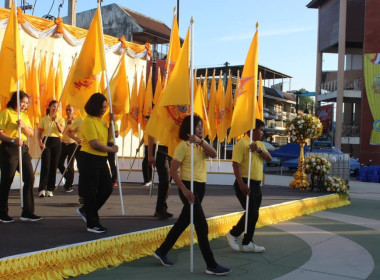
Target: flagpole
192	146
113	129
19	147
253	123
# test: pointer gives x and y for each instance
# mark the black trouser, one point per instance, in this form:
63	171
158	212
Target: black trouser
77	157
67	151
253	210
95	184
200	224
9	163
49	163
162	165
147	170
111	161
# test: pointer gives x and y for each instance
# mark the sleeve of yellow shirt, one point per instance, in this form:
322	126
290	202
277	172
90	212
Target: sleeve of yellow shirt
4	118
89	130
238	153
180	151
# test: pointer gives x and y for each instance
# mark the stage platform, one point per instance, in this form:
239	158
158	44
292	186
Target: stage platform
29	249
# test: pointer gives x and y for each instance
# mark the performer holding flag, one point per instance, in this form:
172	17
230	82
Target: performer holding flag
182	160
9	160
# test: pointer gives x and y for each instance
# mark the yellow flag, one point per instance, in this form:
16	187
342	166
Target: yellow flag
205	89
237	87
125	125
260	100
12	65
133	115
158	90
173	106
50	92
221	131
141	97
33	90
200	109
84	80
173	51
119	88
211	113
148	99
243	117
228	102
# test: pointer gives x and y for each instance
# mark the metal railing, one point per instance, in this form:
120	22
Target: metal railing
351	131
349	84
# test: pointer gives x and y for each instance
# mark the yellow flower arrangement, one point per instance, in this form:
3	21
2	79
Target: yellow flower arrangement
303	127
317	165
335	184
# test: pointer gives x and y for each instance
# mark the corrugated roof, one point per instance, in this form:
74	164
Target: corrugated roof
315	4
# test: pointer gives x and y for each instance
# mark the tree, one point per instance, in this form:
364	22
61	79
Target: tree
305	102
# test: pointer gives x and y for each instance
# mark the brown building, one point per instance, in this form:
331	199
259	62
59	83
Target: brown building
348	28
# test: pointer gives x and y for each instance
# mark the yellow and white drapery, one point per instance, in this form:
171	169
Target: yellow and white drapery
372	84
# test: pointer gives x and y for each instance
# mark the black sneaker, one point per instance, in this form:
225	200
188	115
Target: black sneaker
161	215
6	219
83	215
97	229
69	190
30	218
218	270
163	259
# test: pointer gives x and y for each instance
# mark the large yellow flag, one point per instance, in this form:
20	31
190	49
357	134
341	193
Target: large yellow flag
84	80
34	110
200	109
173	106
205	90
141	98
228	102
221	130
158	90
119	88
50	92
212	109
148	99
133	115
12	65
260	100
244	115
173	51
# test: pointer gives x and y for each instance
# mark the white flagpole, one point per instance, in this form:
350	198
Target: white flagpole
19	147
192	146
113	128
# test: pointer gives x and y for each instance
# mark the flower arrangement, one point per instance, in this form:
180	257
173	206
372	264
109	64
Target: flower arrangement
303	127
335	184
317	165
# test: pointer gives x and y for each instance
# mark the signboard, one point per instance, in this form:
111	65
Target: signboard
325	114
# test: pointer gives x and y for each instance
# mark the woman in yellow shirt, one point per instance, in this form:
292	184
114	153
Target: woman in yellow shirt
9	157
51	151
182	160
94	175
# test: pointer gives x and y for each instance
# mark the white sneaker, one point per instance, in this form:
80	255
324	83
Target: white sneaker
49	193
252	247
42	193
232	242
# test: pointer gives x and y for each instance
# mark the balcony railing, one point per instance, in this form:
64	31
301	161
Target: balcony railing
349	84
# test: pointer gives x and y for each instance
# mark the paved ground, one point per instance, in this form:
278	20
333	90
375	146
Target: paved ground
335	244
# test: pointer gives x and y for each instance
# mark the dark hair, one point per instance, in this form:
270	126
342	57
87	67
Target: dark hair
12	103
184	129
259	124
95	104
52	102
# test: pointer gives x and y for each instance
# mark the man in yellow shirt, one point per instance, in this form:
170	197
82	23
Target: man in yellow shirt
240	164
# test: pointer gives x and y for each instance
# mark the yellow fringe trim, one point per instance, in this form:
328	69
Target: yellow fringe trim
83	258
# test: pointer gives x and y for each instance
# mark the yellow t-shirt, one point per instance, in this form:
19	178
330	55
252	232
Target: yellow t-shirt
74	127
45	126
8	125
94	128
182	153
241	155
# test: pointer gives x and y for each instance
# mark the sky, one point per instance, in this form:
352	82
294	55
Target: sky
223	31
